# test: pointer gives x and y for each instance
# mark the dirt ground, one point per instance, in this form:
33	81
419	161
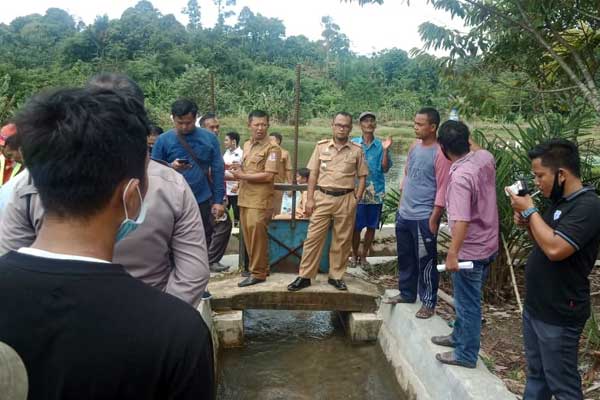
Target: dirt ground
502	339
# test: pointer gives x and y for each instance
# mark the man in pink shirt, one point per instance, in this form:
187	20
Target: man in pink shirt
473	219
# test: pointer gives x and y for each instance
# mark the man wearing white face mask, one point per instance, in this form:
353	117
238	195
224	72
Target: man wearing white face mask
168	251
64	303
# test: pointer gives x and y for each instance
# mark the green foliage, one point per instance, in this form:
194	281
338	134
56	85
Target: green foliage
512	163
253	63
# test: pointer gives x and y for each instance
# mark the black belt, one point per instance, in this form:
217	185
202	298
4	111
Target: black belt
335	193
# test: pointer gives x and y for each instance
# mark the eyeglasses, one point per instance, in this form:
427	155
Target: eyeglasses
341	126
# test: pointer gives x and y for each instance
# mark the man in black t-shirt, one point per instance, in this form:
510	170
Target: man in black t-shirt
84	328
566	240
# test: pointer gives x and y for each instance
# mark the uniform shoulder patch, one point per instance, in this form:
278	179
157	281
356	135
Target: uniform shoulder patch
323	141
357	145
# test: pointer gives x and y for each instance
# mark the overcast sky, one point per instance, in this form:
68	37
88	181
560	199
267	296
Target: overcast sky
370	28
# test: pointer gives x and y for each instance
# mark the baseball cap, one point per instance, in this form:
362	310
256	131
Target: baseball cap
7	131
366	114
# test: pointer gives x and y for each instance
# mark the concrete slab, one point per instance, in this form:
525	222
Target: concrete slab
229	326
273	294
406	341
363	327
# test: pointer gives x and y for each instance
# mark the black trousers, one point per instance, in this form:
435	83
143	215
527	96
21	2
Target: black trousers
220	239
233	203
207	220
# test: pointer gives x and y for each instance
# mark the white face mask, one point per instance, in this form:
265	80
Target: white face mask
128	225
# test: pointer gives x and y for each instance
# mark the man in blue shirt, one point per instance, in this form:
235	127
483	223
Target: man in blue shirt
368	211
195	153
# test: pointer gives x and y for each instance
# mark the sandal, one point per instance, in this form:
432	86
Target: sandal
425	312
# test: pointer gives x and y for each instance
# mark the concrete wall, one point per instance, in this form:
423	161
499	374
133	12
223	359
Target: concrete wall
406	342
206	312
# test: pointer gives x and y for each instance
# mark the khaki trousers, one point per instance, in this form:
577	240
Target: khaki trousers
254	223
342	210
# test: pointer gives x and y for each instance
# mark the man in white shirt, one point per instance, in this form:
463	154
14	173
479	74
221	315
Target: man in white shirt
233	155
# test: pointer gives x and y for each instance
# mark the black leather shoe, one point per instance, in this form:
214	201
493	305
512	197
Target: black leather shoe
250	281
299	283
337	283
246	274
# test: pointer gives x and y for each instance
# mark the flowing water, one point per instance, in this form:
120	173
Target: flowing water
297	355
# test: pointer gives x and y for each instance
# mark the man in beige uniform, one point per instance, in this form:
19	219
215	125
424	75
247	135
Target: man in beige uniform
334	167
260	164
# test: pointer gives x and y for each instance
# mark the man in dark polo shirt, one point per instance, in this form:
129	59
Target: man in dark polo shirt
84	327
566	240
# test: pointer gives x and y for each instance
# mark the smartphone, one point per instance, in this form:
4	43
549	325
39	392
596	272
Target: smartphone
182	160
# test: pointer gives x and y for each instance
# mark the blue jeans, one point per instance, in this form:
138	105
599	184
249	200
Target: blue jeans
467	284
417	260
551	353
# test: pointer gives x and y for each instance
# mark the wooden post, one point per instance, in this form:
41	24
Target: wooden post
296	133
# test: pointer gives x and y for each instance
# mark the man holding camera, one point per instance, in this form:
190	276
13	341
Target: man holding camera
566	239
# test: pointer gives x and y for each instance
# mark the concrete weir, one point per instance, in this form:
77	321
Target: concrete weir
404	339
273	295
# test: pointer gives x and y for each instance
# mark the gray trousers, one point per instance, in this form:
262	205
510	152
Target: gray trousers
220	239
551	353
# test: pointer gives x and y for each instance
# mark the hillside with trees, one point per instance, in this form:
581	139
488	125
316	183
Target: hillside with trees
253	63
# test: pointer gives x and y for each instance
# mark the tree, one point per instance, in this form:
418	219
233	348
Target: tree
335	42
192	10
555	42
223	12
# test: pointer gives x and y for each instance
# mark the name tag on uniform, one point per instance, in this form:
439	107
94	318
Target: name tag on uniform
272	156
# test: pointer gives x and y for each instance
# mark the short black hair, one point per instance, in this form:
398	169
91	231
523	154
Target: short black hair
117	82
155	130
433	116
454	138
277	135
183	107
558	153
304	172
343	113
79	144
233	136
206	117
257	114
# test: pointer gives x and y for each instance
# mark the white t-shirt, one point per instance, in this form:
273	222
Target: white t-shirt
229	157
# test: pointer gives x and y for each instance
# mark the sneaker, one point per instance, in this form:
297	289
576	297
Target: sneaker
217	267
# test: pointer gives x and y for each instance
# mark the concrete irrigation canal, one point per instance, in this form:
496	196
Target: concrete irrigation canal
321	343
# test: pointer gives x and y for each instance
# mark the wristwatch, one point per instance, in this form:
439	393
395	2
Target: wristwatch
529	212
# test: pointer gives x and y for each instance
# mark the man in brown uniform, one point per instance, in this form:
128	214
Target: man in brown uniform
260	164
285	171
334	167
